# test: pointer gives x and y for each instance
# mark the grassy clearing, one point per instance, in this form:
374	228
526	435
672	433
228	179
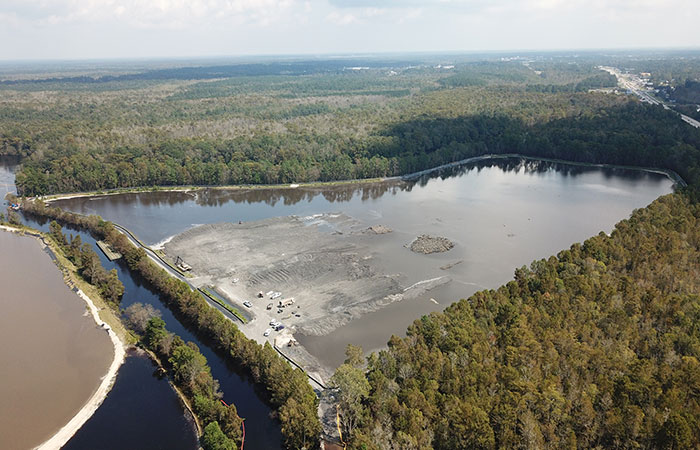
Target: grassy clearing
211	296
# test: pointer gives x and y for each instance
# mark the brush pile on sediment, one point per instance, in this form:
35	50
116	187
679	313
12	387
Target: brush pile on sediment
430	244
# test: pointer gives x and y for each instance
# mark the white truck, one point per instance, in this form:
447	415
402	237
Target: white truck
286	302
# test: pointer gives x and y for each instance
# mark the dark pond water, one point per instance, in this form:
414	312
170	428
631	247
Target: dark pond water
501	214
141	412
8	165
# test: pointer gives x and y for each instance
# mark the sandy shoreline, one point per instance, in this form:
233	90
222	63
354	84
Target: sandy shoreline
66	432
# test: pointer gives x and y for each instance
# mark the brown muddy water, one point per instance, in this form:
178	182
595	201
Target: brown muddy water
501	214
52	356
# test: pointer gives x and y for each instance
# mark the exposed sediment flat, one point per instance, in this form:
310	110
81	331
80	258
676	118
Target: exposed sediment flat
326	262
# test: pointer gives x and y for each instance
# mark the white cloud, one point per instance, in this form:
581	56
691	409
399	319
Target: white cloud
123	28
183	13
478	7
357	16
172	14
339	18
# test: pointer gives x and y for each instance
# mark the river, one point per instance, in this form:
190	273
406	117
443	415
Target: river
501	214
144	408
46	379
53	354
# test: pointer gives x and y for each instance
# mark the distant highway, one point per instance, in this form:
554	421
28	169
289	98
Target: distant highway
626	82
690	121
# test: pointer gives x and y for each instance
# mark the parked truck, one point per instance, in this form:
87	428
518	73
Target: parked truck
286	302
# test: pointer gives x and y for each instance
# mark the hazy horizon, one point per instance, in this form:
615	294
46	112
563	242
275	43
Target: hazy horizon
40	30
254	57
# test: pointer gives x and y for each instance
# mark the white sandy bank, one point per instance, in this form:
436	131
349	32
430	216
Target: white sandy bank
64	434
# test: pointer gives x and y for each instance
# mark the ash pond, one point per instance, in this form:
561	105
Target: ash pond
500	214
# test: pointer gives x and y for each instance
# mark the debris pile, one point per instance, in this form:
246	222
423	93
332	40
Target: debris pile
378	229
430	244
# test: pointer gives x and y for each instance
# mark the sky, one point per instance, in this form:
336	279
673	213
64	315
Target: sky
97	29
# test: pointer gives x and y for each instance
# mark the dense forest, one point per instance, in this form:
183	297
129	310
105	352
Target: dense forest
622	134
330	124
596	347
685	96
324	126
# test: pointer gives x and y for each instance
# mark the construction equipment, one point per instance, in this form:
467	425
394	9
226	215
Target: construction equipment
182	265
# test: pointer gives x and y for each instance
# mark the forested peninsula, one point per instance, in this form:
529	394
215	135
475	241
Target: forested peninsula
596	347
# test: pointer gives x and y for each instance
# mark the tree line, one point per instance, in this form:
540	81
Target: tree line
88	264
632	134
273	129
190	372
